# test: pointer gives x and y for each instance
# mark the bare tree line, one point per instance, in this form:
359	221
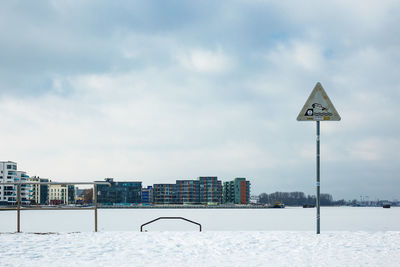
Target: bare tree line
297	199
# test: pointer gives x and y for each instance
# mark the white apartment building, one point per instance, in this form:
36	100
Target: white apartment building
8	174
8	193
61	194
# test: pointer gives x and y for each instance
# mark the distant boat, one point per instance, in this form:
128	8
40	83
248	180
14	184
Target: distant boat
278	205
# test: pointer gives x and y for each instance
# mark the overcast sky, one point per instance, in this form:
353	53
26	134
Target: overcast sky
162	90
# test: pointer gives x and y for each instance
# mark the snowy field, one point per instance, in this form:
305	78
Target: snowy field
267	237
214	248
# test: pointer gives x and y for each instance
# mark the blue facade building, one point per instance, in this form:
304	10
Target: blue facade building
147	195
164	193
210	190
187	191
119	192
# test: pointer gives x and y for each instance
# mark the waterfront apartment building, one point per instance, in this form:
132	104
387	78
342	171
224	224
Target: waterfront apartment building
210	190
10	174
164	193
125	192
25	196
236	191
147	195
187	191
39	192
61	194
203	190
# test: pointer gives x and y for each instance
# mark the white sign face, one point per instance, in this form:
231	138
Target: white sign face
318	107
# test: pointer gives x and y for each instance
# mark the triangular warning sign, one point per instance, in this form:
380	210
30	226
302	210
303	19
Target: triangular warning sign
318	107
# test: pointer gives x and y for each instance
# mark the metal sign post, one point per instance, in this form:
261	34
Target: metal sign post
318	180
95	206
19	208
318	107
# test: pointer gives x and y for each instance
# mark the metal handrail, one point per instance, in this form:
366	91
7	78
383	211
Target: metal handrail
18	207
160	218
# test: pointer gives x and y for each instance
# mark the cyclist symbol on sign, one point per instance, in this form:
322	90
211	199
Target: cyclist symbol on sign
318	106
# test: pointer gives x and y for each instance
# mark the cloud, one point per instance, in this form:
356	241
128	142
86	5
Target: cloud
157	92
368	149
300	54
202	60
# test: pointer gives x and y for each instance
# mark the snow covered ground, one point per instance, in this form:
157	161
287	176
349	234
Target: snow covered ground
262	237
251	248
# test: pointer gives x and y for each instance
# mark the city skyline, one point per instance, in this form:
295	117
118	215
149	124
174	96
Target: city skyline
164	91
362	198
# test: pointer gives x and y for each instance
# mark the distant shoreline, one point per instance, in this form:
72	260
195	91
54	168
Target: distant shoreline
13	208
184	207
